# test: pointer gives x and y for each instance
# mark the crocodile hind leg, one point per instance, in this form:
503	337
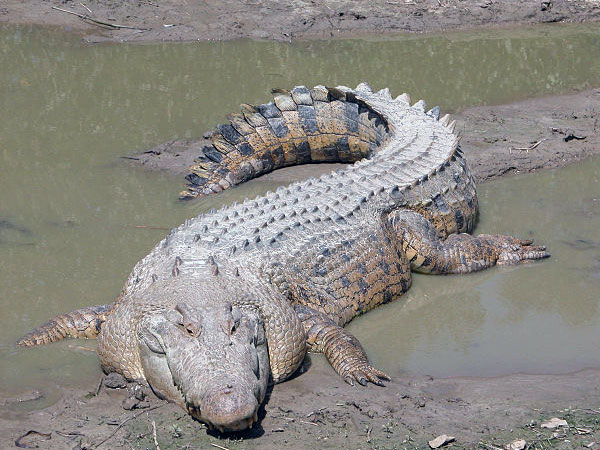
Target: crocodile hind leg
344	352
429	252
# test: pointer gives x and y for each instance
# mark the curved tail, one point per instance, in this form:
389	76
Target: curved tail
299	126
82	323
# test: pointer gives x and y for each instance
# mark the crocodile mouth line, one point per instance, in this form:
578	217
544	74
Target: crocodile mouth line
239	425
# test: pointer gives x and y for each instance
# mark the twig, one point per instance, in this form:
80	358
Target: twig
44	436
218	446
154	435
526	149
67	435
90	11
127	420
99	386
309	423
99	22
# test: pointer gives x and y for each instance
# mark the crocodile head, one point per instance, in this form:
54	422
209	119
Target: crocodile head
211	358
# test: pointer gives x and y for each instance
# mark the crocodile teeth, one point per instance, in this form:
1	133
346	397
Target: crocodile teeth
364	87
445	119
452	126
434	112
420	105
385	93
404	98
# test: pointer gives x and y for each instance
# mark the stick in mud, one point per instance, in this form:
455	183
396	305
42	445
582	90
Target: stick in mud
526	149
44	436
99	22
154	435
218	446
99	386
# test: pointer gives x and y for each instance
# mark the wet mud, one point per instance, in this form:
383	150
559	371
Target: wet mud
285	20
318	410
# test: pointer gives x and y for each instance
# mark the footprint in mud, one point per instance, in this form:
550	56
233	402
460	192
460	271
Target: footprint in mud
12	234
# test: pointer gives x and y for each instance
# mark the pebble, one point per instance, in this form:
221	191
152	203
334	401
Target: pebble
440	441
115	381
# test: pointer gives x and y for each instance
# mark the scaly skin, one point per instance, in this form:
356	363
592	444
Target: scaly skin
298	264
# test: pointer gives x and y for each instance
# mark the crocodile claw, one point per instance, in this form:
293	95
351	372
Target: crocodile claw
365	373
513	250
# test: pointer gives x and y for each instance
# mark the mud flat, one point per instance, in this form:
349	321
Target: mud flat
318	410
286	20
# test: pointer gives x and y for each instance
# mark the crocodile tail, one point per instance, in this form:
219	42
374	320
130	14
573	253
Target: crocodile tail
82	323
299	126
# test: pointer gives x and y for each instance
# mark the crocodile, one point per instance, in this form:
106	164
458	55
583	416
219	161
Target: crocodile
236	296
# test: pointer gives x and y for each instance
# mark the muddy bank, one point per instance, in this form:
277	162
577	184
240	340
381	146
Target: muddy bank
286	20
318	410
530	135
518	137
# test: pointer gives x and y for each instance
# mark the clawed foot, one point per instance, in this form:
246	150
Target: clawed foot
363	373
512	250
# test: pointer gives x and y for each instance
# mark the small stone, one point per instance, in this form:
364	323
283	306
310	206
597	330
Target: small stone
555	422
440	441
115	381
130	403
518	444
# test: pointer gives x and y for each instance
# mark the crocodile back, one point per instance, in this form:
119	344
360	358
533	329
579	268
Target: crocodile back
405	157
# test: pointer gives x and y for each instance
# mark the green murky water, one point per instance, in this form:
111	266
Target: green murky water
74	220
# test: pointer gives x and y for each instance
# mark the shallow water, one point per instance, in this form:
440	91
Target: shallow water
74	219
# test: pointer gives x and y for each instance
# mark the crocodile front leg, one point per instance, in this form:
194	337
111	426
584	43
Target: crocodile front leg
428	252
344	352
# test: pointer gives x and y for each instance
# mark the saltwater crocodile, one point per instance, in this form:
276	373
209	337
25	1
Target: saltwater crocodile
234	296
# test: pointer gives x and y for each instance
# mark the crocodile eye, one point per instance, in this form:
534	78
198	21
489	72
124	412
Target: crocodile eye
192	329
186	318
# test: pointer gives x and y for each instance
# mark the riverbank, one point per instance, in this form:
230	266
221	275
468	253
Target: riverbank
318	410
285	20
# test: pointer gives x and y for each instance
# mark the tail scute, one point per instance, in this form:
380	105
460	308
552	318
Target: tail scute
82	323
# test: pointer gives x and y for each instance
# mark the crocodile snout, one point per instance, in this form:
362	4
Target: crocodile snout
229	409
